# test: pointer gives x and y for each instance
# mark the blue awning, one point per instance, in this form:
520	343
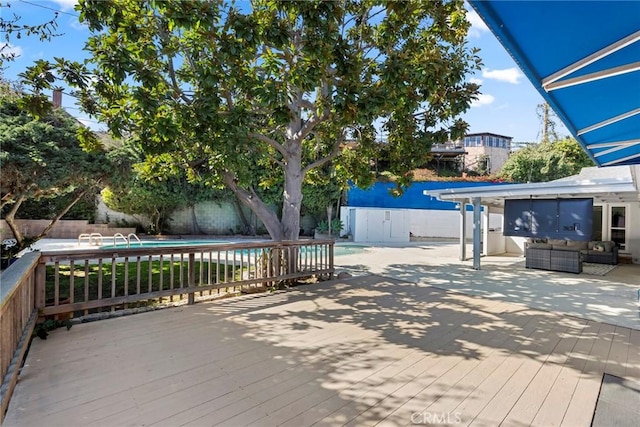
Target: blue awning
584	59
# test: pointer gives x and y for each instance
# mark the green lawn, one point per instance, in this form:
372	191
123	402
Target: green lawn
153	277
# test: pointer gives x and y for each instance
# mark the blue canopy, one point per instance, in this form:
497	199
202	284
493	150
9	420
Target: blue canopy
584	59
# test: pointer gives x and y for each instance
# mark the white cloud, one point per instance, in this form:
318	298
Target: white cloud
476	81
7	49
66	5
483	99
478	27
508	75
76	25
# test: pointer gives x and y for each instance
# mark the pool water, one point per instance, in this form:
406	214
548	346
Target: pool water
162	243
338	250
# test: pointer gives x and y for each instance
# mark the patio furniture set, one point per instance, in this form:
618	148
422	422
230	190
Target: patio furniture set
568	255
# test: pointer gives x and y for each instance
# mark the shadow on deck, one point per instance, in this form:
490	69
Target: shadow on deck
359	351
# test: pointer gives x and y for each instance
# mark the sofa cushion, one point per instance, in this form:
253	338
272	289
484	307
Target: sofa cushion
539	246
565	248
557	242
577	245
608	245
536	240
601	246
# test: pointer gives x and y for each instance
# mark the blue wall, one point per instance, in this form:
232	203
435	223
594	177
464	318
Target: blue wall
378	195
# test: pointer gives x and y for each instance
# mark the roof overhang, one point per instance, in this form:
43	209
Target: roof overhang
584	59
618	185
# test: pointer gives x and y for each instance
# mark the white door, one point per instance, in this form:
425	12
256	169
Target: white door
387	226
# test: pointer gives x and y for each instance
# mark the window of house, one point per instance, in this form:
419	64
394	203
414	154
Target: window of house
618	226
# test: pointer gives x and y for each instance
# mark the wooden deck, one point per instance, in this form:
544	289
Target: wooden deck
361	351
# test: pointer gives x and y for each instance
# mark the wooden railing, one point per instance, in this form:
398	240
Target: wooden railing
18	313
82	282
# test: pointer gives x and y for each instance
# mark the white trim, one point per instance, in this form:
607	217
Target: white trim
620	44
572	188
617	185
622	159
613	149
609	121
592	77
627	143
627	221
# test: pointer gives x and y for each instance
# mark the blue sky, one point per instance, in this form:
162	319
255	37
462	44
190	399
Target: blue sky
506	106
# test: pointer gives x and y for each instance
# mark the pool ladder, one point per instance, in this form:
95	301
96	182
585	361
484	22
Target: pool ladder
97	239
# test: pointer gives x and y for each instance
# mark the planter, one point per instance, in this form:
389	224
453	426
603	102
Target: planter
324	236
6	262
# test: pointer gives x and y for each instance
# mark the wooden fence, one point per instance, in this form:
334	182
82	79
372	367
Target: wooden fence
81	282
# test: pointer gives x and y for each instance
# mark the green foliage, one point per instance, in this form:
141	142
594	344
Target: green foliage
42	329
322	226
48	208
336	226
43	161
152	187
256	97
546	161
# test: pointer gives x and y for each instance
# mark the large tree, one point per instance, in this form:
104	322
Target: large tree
286	86
42	157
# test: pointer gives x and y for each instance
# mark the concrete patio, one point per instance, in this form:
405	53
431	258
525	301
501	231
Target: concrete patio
612	298
415	337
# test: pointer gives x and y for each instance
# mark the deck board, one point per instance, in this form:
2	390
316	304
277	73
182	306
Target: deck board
552	410
361	351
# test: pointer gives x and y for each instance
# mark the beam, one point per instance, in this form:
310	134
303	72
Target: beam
596	56
625	143
477	232
609	121
591	77
463	230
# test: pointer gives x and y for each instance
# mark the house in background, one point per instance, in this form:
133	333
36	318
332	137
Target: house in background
486	151
481	152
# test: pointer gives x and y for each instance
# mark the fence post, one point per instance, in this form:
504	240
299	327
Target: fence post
40	282
191	278
331	267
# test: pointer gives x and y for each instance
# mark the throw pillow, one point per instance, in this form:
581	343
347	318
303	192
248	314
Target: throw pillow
599	247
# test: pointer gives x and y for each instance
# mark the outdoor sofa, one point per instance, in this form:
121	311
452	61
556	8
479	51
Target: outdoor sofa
568	255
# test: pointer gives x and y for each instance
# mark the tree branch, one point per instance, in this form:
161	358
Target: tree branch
308	126
174	82
272	142
253	202
334	153
227	96
60	215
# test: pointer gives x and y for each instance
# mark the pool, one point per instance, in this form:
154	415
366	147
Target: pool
338	250
162	243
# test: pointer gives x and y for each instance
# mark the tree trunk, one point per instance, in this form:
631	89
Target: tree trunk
195	228
10	218
6	199
253	202
292	197
48	228
248	227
